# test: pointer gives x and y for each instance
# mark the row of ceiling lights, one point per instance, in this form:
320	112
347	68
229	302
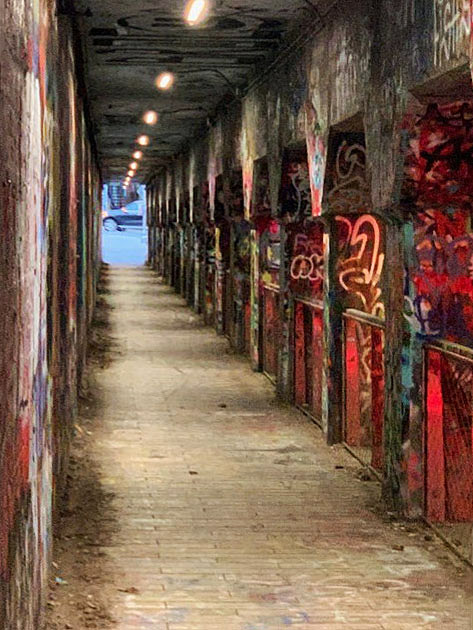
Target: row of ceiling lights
195	13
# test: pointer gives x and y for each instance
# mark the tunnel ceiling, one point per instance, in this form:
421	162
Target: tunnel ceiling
129	43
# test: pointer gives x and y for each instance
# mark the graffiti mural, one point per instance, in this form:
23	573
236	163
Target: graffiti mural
210	274
241	266
439	186
295	199
316	154
306	255
48	266
359	235
269	231
361	263
347	179
452	29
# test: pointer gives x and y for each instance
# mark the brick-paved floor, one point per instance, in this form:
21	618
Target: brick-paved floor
233	515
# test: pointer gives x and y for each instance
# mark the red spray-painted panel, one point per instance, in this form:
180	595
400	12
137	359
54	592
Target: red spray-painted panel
449	447
364	389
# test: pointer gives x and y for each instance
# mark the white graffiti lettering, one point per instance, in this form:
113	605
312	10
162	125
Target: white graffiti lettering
452	29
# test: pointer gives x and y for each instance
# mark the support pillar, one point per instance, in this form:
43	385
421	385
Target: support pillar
332	396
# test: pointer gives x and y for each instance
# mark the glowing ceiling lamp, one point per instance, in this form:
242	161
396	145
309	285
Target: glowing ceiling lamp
150	117
138	155
143	141
133	166
196	12
131	173
165	80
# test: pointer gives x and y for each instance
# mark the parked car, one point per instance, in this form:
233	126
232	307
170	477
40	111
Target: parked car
130	215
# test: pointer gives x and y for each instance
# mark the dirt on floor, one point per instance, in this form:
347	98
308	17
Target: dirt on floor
82	582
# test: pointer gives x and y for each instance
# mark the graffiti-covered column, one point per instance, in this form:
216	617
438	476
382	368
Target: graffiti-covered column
383	117
300	269
354	303
255	301
265	263
332	390
222	258
437	193
284	380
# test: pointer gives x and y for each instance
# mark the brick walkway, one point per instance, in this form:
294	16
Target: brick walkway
233	514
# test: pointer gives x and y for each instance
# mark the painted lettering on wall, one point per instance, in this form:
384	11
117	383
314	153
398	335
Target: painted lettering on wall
306	255
452	30
361	263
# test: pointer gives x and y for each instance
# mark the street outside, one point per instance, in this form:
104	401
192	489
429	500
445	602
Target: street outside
128	248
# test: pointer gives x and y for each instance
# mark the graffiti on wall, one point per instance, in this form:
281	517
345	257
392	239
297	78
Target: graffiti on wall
269	232
348	186
48	259
306	256
316	155
295	196
452	29
360	236
438	185
352	70
361	263
261	205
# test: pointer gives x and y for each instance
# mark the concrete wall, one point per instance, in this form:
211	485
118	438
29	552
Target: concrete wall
370	76
49	209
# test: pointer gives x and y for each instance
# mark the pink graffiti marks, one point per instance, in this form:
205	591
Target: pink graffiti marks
361	263
306	254
247	188
439	183
360	235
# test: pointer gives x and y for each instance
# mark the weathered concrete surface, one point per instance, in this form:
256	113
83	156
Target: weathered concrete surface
233	513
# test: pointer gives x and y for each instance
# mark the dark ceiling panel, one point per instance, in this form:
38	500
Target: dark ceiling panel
129	43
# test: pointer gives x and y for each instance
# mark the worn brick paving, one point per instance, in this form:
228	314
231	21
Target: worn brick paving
232	513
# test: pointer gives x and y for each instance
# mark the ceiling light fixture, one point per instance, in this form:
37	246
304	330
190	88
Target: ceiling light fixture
138	155
196	12
133	166
131	173
150	117
165	80
143	141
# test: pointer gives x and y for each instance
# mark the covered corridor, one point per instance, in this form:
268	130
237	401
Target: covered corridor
231	512
308	173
